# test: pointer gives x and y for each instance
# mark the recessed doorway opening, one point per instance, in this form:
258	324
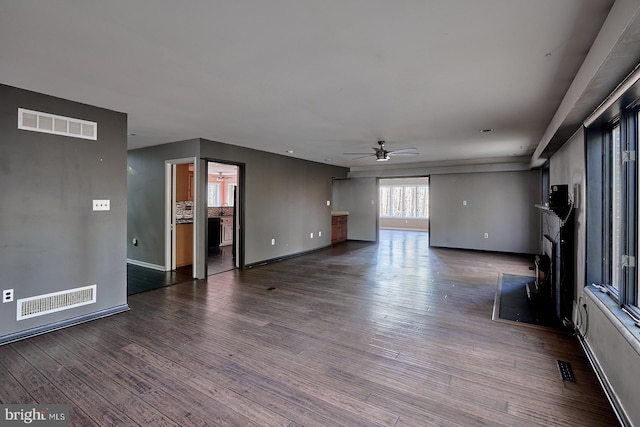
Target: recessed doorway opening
222	217
404	204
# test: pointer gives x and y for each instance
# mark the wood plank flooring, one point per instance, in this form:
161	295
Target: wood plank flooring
360	334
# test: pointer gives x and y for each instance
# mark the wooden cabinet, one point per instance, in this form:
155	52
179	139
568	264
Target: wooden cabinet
338	228
226	231
184	182
184	244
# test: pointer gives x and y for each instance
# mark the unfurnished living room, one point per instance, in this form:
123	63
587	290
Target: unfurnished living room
319	213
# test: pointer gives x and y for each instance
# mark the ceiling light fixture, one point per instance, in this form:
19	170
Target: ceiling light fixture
382	156
289	151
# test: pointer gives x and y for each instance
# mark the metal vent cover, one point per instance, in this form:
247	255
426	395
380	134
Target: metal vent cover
37	121
56	301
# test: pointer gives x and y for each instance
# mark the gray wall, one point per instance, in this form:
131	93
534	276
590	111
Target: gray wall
51	238
498	203
359	197
146	198
285	199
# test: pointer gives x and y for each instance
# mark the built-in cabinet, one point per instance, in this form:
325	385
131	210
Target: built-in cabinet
184	244
338	228
184	182
226	231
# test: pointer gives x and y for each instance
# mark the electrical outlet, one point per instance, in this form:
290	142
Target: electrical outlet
135	242
486	235
328	202
7	295
311	235
101	205
319	233
273	242
464	203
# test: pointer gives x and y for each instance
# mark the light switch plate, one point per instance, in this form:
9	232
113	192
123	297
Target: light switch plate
101	205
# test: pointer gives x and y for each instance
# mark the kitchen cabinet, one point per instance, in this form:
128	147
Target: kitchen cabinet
226	231
184	244
184	182
338	228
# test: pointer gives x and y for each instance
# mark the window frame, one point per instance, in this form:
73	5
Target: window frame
612	177
389	188
215	194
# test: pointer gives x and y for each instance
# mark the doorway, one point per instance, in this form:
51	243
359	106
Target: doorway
404	204
222	194
181	197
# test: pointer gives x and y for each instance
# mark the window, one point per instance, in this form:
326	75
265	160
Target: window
612	219
231	194
404	201
213	194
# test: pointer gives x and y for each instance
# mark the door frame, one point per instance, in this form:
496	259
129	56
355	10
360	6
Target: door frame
238	210
170	228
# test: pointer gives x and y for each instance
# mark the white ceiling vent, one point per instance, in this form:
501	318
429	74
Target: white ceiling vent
56	301
58	125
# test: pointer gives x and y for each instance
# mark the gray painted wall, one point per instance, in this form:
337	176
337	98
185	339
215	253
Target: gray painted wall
359	197
51	238
146	198
498	203
285	199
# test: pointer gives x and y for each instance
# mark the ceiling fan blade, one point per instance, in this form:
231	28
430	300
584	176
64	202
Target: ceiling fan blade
402	150
362	157
391	153
356	154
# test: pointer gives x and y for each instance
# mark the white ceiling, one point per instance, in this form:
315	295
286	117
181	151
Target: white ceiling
320	77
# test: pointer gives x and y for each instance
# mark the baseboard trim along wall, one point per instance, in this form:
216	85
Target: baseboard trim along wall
604	382
611	324
146	264
284	257
62	324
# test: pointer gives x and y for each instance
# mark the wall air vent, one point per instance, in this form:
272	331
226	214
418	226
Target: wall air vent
56	301
58	125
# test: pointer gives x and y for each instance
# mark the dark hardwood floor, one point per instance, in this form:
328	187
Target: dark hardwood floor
221	260
143	279
359	334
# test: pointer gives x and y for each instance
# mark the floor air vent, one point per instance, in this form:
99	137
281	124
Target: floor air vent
57	125
56	301
566	372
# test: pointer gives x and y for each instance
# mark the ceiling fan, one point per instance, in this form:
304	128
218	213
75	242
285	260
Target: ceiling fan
221	176
382	155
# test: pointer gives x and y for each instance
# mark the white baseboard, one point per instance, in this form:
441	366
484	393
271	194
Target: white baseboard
146	264
604	382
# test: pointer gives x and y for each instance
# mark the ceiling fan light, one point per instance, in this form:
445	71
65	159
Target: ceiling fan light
382	159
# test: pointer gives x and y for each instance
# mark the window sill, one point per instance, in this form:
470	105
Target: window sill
621	320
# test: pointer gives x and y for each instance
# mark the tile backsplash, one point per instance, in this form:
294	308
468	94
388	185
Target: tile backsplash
220	211
184	210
